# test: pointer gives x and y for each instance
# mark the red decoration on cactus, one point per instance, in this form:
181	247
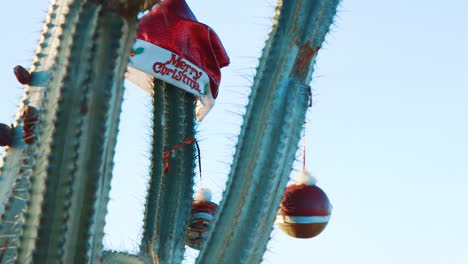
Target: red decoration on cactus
305	209
167	154
203	212
22	75
174	47
6	135
30	116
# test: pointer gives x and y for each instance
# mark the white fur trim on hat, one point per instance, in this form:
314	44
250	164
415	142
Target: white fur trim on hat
155	62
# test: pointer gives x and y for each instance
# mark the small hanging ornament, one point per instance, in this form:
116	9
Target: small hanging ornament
22	75
6	135
203	212
305	209
30	116
174	47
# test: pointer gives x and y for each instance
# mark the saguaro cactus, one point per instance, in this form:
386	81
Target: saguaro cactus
54	192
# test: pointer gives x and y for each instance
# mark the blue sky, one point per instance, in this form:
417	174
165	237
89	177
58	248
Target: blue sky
386	137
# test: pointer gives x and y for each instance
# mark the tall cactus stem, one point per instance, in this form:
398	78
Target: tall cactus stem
69	14
17	161
12	163
64	154
272	124
175	197
76	138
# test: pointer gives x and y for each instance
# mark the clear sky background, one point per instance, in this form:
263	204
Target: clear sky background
387	136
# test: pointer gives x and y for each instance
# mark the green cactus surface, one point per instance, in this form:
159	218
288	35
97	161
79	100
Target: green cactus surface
54	192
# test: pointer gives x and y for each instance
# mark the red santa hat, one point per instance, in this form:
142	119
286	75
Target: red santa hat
174	47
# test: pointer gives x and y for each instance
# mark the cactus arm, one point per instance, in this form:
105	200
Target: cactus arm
156	172
16	167
62	27
54	167
82	104
17	158
110	257
264	158
176	192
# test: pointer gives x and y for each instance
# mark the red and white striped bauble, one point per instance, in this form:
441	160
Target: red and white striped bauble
305	209
203	212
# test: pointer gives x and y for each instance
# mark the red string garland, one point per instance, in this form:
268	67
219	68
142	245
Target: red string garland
186	141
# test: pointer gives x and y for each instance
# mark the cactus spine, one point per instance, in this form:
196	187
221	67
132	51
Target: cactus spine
55	192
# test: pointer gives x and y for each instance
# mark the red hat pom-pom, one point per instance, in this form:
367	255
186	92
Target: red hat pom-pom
305	209
203	212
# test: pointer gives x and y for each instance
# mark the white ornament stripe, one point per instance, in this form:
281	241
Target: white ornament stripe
284	219
205	216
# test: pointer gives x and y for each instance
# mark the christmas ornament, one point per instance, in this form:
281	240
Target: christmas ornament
174	47
22	75
6	135
305	209
203	212
30	117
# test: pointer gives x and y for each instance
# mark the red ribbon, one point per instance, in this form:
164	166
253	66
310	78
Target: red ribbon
186	141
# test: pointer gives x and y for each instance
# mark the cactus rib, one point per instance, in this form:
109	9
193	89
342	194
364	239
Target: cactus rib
156	172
